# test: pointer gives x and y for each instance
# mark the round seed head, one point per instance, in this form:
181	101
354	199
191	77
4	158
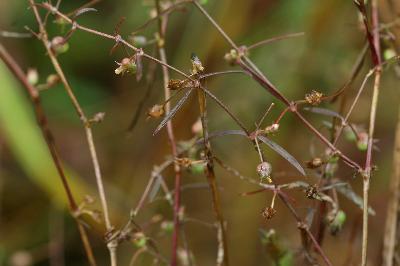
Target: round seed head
264	170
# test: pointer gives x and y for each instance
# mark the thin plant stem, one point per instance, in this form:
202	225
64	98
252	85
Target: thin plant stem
112	245
211	178
274	39
374	39
162	24
50	141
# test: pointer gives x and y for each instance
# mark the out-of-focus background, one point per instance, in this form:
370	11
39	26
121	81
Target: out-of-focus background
35	226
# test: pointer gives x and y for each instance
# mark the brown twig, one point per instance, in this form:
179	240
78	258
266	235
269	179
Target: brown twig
211	178
373	37
112	245
162	24
49	138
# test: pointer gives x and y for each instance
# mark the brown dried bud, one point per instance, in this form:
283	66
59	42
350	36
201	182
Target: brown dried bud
314	98
268	213
312	192
156	111
271	129
315	163
176	84
197	66
185	162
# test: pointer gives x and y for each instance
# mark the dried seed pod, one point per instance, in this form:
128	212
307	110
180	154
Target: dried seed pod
156	111
314	98
264	170
315	163
268	213
175	84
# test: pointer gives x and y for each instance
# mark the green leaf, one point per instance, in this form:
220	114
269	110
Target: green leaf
25	140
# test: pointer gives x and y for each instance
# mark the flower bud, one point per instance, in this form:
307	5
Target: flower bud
59	45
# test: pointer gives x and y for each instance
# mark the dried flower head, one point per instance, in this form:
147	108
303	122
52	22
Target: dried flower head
268	213
156	111
312	192
185	162
197	66
264	171
314	98
177	84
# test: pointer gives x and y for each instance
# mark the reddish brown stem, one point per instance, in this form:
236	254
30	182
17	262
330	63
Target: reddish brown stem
162	25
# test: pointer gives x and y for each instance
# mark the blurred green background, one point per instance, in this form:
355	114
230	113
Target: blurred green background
33	219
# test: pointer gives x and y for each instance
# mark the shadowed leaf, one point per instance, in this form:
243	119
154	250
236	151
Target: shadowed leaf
323	111
173	111
281	151
348	192
273	145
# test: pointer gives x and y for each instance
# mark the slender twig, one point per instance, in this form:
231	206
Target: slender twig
211	178
222	73
162	24
50	141
112	245
274	39
373	39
